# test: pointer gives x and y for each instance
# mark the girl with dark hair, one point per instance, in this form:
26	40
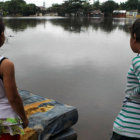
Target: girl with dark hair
12	115
127	124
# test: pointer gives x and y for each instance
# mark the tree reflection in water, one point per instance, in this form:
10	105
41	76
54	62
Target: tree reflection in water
19	24
76	25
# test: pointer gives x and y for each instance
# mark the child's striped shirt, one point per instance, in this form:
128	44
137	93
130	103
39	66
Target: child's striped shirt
127	122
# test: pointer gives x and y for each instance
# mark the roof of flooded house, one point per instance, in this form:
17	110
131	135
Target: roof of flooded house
119	11
132	11
96	12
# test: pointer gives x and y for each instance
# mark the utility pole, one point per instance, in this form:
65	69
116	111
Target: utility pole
44	4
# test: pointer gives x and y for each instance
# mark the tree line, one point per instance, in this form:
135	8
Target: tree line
17	7
20	7
107	7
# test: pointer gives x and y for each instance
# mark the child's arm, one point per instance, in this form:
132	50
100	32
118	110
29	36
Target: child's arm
8	74
136	67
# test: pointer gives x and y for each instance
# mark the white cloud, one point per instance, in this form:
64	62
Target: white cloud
50	2
40	2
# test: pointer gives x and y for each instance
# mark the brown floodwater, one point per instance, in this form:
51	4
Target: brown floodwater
81	62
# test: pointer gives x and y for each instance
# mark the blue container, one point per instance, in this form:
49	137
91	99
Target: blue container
47	118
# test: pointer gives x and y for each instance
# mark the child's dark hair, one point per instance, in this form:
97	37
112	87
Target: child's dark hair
135	29
2	27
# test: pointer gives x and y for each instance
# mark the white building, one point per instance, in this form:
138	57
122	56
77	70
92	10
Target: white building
132	14
90	1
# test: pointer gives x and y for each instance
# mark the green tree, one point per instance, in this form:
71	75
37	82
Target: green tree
86	8
55	7
108	7
74	7
123	6
71	6
60	9
132	4
139	6
31	8
15	6
20	7
96	5
1	7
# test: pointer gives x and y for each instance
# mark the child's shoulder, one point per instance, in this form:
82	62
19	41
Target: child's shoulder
136	60
6	63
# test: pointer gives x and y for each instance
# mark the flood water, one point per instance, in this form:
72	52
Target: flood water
81	62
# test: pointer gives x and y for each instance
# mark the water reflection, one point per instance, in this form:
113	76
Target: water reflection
17	24
76	25
83	24
123	24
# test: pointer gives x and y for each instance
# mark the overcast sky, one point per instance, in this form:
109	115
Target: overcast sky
50	2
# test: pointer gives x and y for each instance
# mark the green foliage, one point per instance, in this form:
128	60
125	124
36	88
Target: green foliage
86	8
108	7
30	9
17	7
77	6
55	7
123	6
71	6
132	4
96	5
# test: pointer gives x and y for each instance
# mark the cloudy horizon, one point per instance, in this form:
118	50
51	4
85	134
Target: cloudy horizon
48	3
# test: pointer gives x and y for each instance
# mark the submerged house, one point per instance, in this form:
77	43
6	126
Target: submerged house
138	15
41	11
96	13
132	14
125	14
119	13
